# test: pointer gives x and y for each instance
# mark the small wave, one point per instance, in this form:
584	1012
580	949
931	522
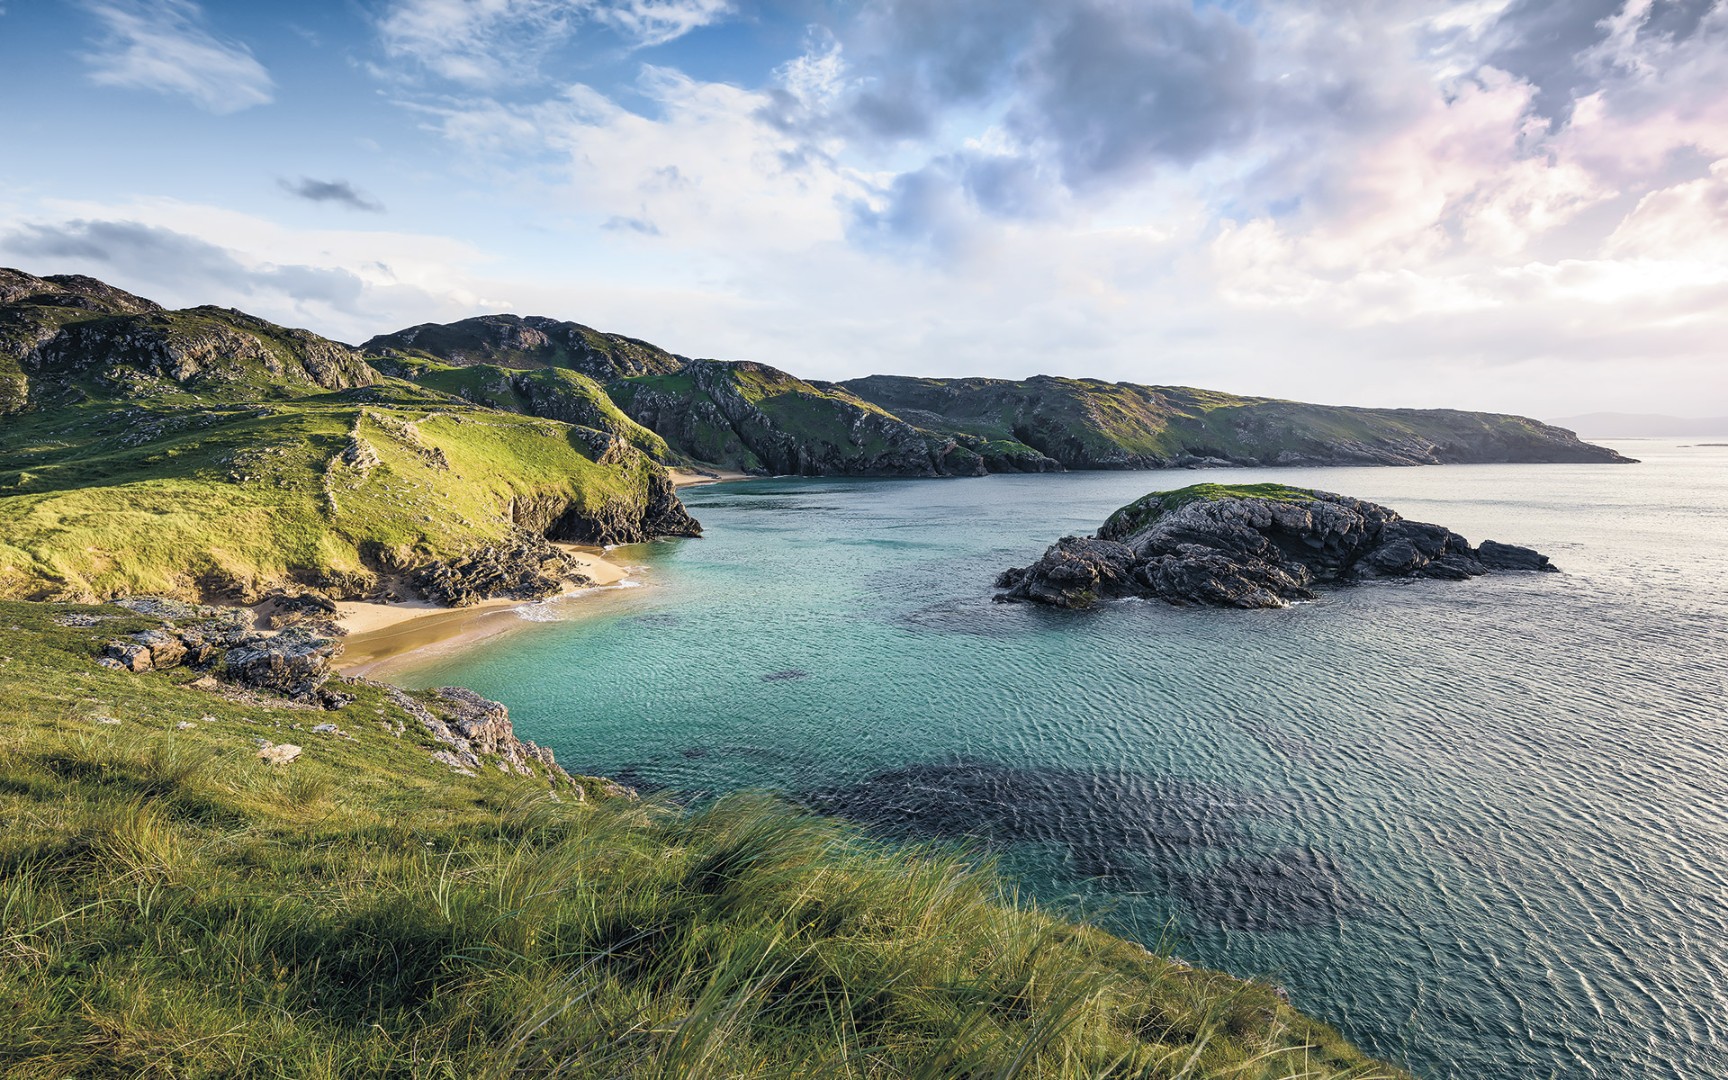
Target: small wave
550	610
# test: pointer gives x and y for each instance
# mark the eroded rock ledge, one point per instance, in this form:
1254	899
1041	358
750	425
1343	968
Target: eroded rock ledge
1249	546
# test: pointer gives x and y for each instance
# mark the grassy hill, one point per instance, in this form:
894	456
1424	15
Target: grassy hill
173	906
513	341
1088	424
756	418
206	453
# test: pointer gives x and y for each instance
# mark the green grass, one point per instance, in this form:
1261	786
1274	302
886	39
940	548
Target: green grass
172	907
552	393
1088	423
1149	508
326	489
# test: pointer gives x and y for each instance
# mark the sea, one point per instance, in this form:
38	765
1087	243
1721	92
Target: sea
1481	827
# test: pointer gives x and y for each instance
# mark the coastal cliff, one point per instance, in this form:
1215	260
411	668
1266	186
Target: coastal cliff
1251	546
210	455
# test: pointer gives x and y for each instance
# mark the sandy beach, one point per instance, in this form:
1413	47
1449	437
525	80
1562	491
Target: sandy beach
694	477
379	634
383	634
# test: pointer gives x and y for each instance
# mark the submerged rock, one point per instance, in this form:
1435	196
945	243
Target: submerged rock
1254	546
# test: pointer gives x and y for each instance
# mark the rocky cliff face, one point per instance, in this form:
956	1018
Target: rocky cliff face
1255	547
760	419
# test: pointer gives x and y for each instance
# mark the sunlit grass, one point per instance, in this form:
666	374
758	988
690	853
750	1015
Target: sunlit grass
171	906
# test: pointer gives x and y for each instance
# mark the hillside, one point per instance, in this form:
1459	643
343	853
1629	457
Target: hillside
418	894
759	419
210	454
1087	424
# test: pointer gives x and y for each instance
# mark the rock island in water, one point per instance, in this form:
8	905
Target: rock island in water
1249	546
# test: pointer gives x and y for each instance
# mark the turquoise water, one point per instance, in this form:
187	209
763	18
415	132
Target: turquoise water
1482	827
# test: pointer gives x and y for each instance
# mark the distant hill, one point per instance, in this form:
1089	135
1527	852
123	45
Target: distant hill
1612	425
759	419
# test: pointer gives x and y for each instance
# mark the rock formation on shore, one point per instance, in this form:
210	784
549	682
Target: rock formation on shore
1251	546
295	668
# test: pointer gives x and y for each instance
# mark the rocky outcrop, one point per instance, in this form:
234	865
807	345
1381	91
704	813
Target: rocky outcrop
524	566
294	663
471	732
515	341
1256	547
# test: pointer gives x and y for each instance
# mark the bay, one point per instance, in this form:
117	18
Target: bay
1482	827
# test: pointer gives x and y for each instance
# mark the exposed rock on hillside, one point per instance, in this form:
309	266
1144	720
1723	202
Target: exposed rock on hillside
294	663
71	330
514	341
1089	424
472	731
759	419
1256	546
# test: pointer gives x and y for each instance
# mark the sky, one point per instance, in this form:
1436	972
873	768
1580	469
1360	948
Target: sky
1515	205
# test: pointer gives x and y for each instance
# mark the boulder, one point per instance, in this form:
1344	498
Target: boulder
278	753
166	649
130	655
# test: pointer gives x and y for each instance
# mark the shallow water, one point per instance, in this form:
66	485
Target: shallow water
1482	826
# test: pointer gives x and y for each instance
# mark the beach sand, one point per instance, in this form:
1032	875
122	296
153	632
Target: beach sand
381	634
693	477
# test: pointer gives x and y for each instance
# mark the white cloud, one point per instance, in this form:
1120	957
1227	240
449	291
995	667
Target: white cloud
654	22
707	173
349	284
491	43
163	45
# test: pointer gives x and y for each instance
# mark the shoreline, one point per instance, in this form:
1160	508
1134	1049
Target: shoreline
383	635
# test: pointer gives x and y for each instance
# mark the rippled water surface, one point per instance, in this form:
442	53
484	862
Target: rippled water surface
1482	827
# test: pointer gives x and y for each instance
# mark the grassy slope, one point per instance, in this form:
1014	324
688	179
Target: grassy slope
1085	421
208	452
172	907
1149	508
227	499
553	393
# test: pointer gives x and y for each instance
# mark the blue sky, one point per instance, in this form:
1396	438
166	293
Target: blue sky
1502	204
